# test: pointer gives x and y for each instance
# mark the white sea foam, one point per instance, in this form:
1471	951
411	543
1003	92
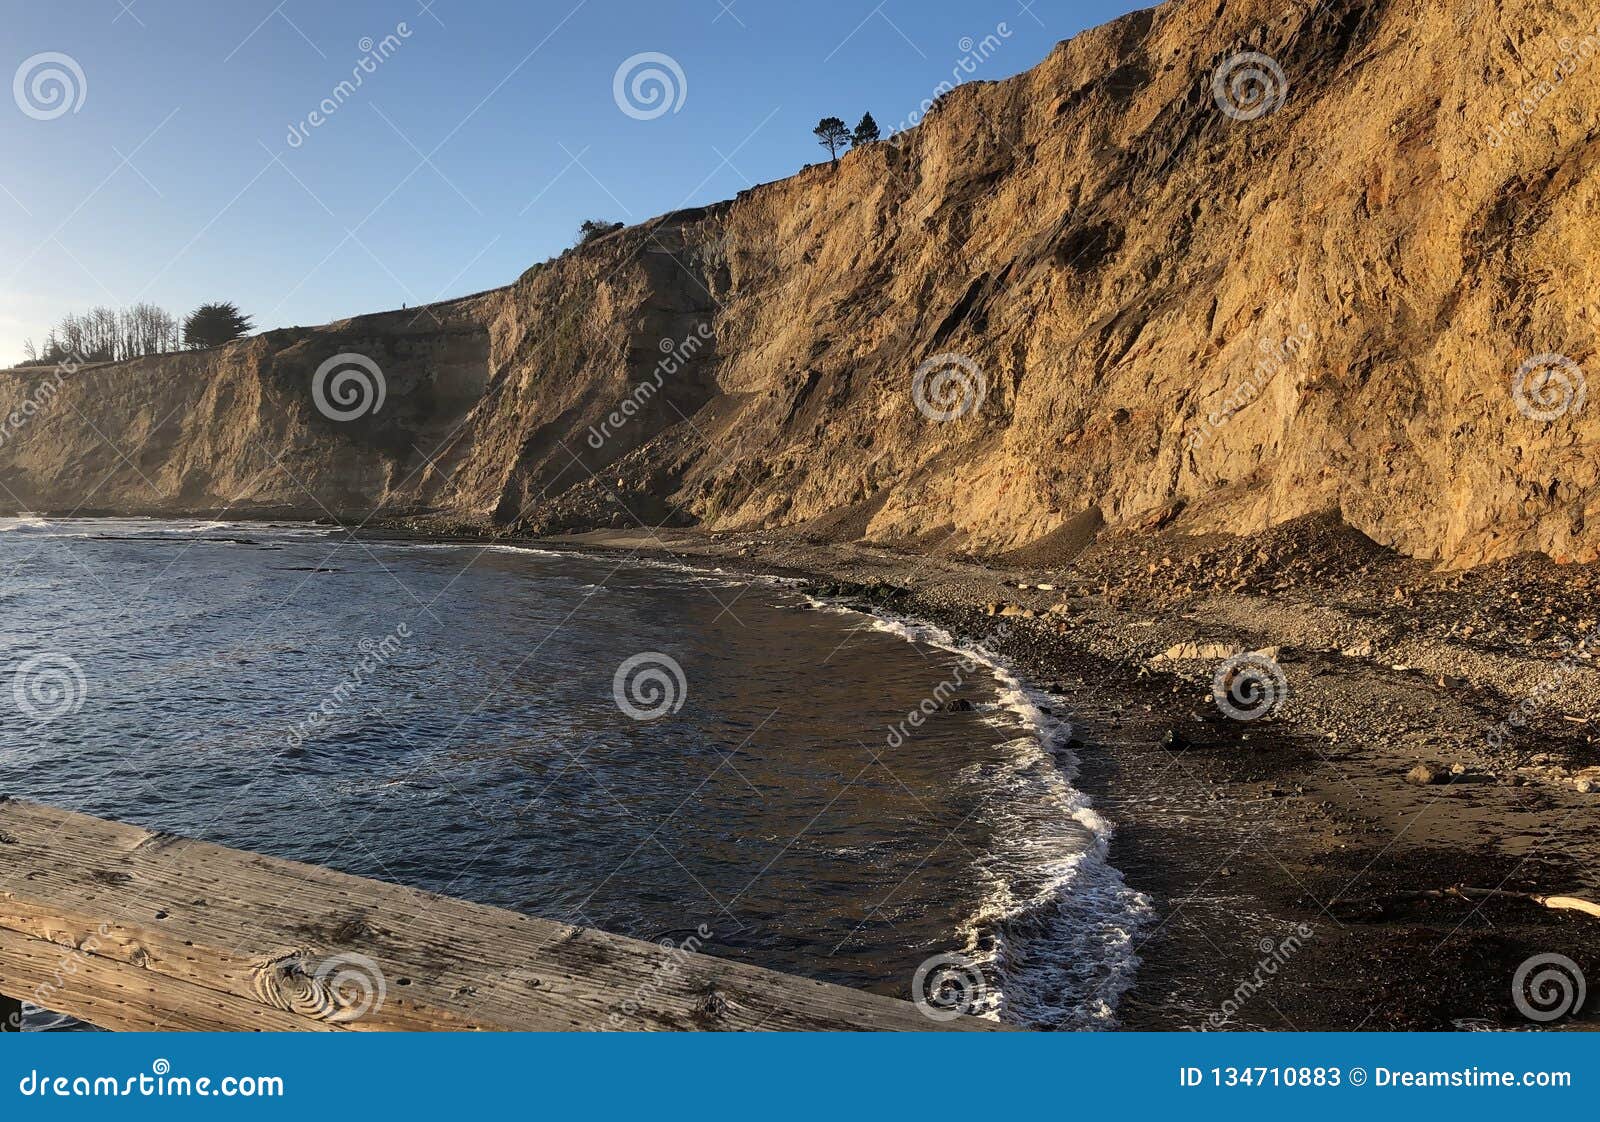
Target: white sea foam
716	576
43	527
23	524
1057	926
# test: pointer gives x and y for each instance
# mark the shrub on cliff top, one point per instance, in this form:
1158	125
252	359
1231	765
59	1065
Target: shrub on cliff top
593	228
211	325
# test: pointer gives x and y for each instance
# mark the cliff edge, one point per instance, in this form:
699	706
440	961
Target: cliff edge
1216	265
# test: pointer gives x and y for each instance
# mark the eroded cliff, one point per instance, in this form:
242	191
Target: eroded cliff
1157	309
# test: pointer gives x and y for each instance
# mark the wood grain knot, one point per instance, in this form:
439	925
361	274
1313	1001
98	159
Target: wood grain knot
337	989
712	1006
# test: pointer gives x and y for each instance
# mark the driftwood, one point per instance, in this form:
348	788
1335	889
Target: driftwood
1462	892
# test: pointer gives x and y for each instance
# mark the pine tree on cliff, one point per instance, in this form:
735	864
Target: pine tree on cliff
212	325
866	132
833	134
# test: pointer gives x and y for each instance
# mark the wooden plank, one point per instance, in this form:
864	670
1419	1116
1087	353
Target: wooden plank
224	934
125	998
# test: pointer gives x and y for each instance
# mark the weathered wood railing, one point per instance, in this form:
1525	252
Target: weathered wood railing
133	930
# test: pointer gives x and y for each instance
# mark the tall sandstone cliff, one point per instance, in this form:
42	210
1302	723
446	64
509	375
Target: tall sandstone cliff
1174	312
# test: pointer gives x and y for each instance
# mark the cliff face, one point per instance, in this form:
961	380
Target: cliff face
1155	308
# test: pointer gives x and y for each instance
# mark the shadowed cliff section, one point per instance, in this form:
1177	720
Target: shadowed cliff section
1112	251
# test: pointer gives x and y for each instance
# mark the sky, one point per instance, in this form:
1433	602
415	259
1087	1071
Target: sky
180	151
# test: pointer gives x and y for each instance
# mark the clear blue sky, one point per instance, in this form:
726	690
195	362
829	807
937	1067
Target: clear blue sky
469	153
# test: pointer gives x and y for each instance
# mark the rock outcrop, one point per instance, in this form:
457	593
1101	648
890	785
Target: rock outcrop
1151	298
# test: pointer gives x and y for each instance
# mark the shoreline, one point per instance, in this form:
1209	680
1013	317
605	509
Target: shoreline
1298	875
1063	948
1285	856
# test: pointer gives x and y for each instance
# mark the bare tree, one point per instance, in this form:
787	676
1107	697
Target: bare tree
109	335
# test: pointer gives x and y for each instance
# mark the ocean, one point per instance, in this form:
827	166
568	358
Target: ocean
642	747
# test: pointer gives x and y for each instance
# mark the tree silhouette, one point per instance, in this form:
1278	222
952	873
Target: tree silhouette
108	335
212	325
833	134
866	132
593	228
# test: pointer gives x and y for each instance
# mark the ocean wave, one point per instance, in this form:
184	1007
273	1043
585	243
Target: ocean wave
23	524
717	576
152	528
1056	929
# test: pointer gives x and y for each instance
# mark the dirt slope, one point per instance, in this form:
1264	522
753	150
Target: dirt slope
1173	311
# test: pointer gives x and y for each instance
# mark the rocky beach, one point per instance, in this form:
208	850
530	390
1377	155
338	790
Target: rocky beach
1438	735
